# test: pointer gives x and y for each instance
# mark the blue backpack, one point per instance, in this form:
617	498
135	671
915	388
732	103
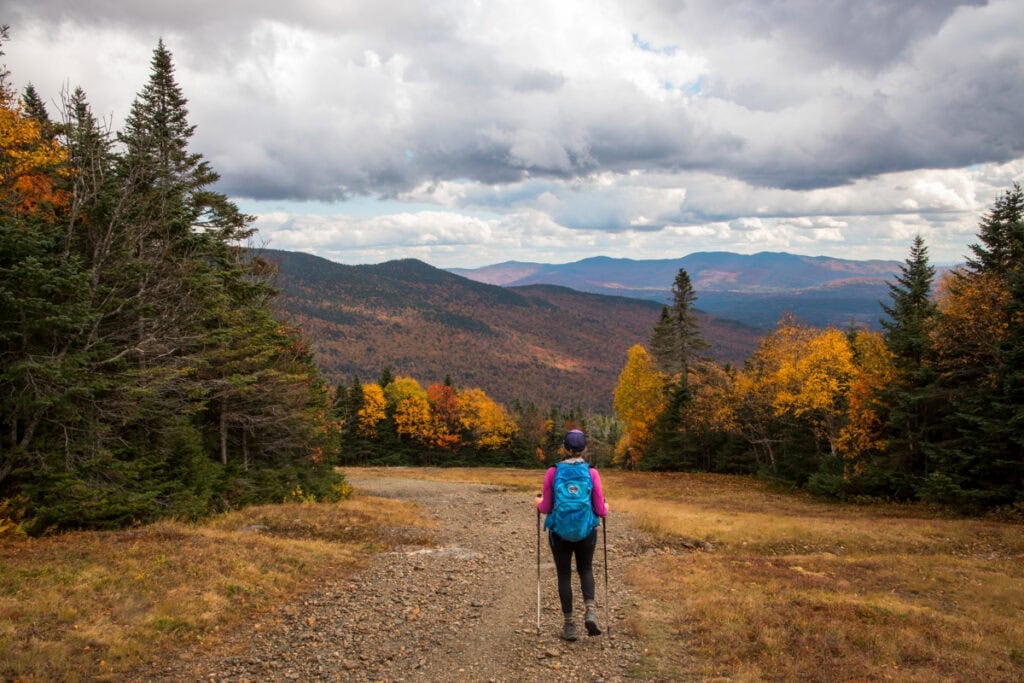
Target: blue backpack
572	516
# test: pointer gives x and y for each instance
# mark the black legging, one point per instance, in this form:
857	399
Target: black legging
563	551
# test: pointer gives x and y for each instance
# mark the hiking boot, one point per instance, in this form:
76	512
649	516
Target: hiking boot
590	621
568	631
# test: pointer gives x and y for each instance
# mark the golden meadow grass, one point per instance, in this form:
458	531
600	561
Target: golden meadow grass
795	589
791	589
88	605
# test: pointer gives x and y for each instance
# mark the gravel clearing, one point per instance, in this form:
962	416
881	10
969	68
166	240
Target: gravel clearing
463	610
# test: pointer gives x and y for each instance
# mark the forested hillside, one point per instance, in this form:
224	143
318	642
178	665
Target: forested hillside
144	374
544	344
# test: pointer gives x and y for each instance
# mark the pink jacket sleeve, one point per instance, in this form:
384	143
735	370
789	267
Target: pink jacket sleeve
547	499
597	494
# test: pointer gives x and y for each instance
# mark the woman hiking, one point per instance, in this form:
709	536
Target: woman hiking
573	501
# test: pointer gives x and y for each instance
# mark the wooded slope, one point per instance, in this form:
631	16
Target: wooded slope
541	343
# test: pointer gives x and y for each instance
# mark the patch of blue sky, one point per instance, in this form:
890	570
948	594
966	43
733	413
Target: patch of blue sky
695	88
691	89
668	50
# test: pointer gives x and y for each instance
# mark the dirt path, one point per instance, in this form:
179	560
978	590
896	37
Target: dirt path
464	610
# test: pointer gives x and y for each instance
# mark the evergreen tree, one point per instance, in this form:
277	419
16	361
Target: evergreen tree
41	296
145	374
687	343
1001	247
912	312
353	402
912	397
157	160
35	110
1001	473
676	347
386	377
663	343
347	403
1010	401
978	462
669	442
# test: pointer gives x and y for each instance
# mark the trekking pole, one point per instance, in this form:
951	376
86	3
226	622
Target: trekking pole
607	608
538	572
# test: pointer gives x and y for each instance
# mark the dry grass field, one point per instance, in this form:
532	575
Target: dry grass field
88	606
781	587
788	588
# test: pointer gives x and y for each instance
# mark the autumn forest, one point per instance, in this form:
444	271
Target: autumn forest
155	365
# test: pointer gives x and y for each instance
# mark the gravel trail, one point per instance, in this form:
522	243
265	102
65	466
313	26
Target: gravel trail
462	610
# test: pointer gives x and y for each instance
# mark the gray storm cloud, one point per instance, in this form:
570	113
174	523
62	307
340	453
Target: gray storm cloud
607	116
332	100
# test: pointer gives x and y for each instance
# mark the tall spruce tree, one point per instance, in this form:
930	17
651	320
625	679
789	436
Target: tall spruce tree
676	343
41	296
911	399
690	343
912	312
347	404
676	348
1000	249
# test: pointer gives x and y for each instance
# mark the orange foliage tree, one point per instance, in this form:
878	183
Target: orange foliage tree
444	402
30	164
974	322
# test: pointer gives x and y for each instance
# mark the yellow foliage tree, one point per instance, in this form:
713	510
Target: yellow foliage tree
797	372
639	400
408	402
814	383
414	419
401	388
862	433
372	412
487	421
751	402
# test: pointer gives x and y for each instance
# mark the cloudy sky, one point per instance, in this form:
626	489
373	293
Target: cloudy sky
466	133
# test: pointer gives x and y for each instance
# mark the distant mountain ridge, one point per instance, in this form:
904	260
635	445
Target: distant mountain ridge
545	343
755	288
711	271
